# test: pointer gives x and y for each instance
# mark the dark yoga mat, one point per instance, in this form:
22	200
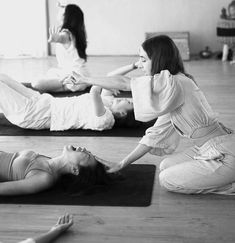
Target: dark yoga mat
134	189
8	129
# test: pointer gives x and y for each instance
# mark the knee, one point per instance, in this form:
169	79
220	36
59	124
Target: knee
172	182
36	84
166	181
166	163
3	77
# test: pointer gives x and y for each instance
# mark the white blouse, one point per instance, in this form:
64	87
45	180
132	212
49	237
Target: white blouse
179	105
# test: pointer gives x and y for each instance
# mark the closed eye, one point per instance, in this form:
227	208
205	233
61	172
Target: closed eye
73	148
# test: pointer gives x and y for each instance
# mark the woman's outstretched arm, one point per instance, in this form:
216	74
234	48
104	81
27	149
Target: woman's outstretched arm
33	184
63	224
124	69
136	154
114	82
119	71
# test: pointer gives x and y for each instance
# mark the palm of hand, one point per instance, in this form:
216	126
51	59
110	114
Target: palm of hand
54	34
64	222
115	168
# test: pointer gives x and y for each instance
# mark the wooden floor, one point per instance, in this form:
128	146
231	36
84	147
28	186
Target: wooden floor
171	218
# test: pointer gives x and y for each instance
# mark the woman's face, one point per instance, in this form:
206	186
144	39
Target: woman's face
122	105
144	63
79	157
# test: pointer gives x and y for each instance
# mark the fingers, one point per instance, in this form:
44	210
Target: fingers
138	63
70	219
75	75
115	168
53	33
112	170
65	219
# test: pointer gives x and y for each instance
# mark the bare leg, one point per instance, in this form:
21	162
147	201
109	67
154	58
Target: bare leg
53	81
54	85
48	84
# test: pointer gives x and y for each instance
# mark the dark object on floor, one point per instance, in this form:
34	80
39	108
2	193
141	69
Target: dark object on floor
206	53
134	189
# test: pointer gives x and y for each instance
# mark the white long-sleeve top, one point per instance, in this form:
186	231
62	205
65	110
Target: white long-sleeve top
180	106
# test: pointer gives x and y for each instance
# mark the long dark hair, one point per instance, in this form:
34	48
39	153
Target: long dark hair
87	182
74	22
127	121
164	55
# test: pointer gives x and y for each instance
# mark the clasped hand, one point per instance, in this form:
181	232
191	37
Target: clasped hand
73	81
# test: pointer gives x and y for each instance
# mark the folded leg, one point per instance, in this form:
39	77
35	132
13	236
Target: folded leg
18	87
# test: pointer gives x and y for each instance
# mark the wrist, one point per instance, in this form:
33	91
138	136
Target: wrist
123	163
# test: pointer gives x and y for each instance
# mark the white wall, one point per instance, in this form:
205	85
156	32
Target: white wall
23	28
117	27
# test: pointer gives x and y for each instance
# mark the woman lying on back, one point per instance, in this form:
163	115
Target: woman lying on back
27	172
29	109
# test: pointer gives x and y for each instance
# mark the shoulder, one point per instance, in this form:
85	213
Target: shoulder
67	33
165	81
27	154
158	83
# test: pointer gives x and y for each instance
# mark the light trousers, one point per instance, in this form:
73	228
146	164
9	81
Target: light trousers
206	169
22	106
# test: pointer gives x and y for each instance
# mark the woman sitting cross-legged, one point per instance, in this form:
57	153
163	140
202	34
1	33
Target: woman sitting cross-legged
29	109
27	172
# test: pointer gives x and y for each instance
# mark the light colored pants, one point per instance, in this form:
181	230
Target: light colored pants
206	169
22	106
